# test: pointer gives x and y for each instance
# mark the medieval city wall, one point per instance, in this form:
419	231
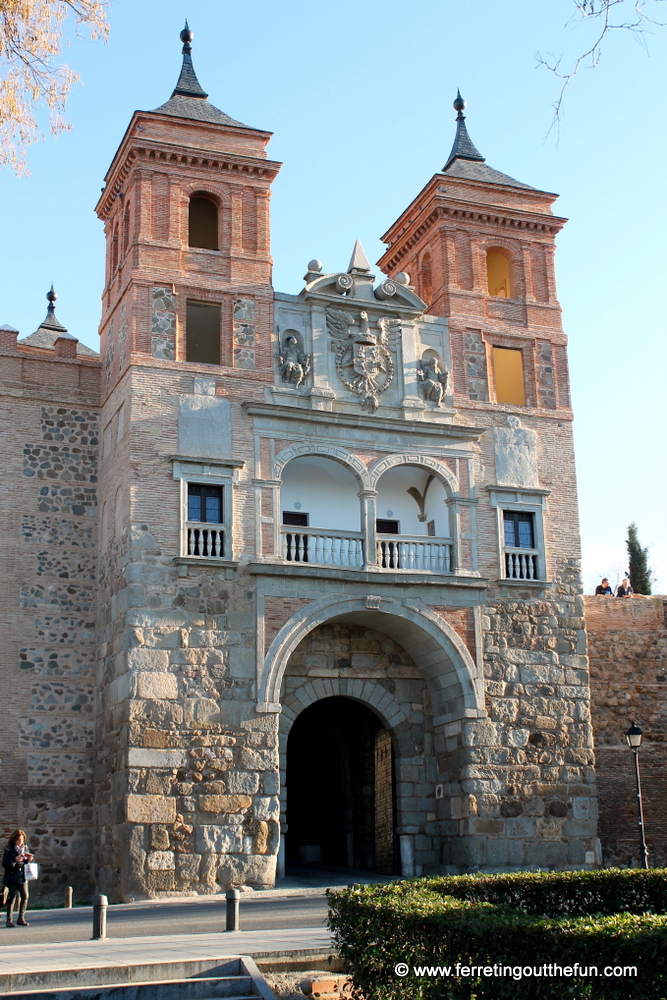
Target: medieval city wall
628	661
48	543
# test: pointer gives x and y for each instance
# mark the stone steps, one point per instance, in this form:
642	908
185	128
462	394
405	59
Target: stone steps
239	979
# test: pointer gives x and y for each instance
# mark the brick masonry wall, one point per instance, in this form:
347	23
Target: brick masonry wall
628	662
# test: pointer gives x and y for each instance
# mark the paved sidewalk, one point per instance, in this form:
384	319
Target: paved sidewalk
151	950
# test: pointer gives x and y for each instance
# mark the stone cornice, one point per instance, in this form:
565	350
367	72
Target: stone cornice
495	488
509	220
151	153
463	192
372	423
377	578
228	463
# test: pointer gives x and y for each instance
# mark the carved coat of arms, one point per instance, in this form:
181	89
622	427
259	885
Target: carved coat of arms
364	354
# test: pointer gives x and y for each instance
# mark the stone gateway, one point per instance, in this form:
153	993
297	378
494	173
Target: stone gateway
294	579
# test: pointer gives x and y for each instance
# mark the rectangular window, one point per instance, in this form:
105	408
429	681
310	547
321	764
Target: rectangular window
508	375
202	333
204	530
519	530
205	503
295	517
384	527
522	561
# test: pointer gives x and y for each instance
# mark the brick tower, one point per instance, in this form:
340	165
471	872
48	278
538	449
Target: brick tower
185	338
479	246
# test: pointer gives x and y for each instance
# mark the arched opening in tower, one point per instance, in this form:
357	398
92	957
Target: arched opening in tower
498	274
203	223
340	789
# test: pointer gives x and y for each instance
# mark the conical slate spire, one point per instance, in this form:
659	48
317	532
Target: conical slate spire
358	260
463	148
50	322
189	99
188	85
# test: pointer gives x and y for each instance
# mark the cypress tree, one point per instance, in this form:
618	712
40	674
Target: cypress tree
640	574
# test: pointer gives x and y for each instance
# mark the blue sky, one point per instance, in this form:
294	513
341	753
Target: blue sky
359	97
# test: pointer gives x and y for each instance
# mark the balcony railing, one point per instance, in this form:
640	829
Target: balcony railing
205	540
323	547
522	564
415	553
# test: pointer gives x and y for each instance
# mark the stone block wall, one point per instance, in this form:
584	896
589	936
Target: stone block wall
187	799
628	662
48	537
526	793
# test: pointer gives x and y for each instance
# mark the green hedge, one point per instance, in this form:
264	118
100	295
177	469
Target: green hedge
420	923
554	894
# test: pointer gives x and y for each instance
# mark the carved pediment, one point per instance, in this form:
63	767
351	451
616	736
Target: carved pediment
358	283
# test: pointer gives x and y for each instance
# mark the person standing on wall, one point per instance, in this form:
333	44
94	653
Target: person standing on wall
13	861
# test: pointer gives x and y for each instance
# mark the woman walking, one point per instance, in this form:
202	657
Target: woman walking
13	861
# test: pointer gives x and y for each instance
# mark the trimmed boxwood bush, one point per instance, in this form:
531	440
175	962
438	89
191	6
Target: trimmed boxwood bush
439	922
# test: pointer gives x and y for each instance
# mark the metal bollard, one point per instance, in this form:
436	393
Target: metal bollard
100	918
69	892
233	898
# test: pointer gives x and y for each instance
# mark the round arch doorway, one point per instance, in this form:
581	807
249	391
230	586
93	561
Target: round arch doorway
341	802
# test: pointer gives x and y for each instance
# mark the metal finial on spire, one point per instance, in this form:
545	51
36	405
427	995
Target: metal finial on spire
188	85
50	321
463	148
186	37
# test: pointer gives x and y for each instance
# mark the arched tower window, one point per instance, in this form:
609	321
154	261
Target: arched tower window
203	223
426	279
498	274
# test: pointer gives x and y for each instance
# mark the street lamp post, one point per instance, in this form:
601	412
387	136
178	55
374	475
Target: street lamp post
634	738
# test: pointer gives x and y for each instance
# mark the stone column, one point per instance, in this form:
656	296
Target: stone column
454	530
368	515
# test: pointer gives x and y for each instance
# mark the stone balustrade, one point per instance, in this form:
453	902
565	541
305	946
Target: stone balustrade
522	564
415	553
206	540
323	547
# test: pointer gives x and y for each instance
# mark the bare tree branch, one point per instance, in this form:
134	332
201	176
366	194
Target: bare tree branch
31	38
633	16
